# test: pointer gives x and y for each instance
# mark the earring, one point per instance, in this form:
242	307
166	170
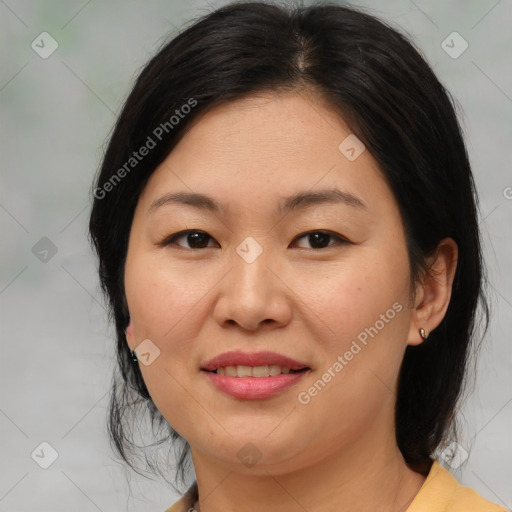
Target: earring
423	334
134	356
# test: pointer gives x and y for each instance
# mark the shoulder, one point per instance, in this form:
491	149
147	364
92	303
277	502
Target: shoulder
439	493
442	493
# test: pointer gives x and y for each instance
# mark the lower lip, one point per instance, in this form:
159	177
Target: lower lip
254	388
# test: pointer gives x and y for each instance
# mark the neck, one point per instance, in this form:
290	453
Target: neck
365	476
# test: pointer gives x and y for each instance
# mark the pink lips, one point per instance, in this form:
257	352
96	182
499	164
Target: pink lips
239	358
253	388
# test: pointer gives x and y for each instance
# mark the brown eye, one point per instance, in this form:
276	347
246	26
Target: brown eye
195	239
320	239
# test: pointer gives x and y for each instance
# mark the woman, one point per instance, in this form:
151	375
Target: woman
287	233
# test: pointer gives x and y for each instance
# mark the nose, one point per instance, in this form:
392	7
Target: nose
252	296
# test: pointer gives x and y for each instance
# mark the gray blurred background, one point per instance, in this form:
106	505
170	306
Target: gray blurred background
56	346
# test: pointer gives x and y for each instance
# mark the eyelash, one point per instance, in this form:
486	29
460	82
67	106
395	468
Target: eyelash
170	240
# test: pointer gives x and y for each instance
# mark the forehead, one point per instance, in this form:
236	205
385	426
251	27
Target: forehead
255	149
291	125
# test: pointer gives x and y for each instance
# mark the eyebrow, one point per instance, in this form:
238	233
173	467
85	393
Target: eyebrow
300	200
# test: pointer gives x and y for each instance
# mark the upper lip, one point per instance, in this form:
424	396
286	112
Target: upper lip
240	358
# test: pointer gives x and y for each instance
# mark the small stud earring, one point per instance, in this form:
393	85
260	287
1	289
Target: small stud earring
134	356
423	334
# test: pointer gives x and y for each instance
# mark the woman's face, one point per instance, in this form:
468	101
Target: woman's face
296	251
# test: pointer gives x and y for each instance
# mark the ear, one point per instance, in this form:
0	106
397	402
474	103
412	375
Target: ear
130	336
434	292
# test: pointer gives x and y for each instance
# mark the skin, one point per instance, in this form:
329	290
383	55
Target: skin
338	452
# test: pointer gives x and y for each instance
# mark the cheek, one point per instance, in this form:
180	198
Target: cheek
362	292
161	298
354	386
163	303
362	309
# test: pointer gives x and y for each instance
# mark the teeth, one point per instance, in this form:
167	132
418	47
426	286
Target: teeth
244	371
252	371
275	370
260	371
230	371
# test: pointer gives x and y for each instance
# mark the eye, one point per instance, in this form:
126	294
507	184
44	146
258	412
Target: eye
196	239
320	239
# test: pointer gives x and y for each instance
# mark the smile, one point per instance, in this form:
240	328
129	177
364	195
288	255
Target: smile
255	371
253	376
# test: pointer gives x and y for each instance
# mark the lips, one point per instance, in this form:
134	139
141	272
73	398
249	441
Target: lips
256	359
253	376
254	371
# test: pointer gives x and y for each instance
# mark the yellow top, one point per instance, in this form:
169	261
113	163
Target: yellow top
439	493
